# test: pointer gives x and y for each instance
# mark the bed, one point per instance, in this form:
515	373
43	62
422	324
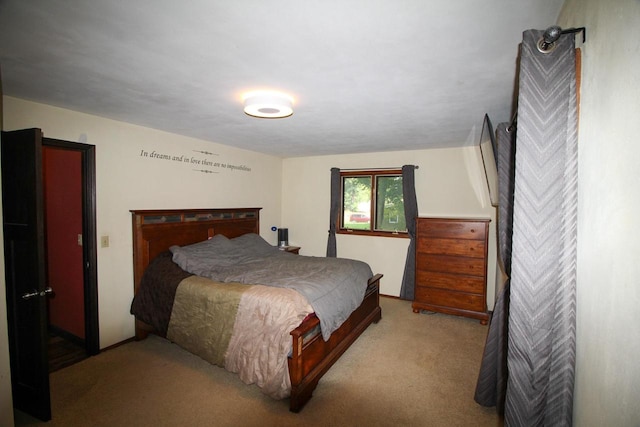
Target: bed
310	354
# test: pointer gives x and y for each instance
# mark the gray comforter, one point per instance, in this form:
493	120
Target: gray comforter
334	287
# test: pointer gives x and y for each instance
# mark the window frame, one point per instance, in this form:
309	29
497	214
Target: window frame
373	173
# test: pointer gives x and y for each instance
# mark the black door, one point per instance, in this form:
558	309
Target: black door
24	248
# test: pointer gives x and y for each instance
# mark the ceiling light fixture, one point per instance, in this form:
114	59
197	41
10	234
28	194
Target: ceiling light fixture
268	105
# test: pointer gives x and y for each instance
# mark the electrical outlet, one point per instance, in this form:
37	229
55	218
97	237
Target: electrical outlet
104	241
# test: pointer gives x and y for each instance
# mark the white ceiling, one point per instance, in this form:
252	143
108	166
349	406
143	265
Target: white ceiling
366	75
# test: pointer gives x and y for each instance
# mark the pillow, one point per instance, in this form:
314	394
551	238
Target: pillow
252	245
194	256
219	252
251	239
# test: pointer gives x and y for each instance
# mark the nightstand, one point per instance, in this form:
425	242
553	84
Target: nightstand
292	249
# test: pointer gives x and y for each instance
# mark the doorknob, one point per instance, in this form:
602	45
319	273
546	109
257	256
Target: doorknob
47	291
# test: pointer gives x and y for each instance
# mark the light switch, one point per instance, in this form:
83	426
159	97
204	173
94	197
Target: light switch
104	241
79	239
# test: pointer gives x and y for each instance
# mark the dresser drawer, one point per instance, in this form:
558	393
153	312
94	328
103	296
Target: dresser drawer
451	264
458	229
464	247
454	282
442	298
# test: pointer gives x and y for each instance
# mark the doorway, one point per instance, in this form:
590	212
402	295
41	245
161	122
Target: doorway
70	244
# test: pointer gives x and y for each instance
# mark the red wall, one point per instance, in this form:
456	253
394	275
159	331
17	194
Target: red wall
63	216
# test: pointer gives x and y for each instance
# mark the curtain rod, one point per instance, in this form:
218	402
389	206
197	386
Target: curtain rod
547	42
375	169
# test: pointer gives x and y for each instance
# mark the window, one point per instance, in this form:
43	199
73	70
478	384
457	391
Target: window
372	203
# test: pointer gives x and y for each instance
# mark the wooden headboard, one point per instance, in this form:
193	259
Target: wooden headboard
154	231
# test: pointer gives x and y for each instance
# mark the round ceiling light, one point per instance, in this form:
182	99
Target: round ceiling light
268	105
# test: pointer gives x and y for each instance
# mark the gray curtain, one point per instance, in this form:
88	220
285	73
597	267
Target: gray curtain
542	305
531	341
334	211
407	290
492	380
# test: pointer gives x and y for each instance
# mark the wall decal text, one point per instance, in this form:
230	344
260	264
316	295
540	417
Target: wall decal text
199	161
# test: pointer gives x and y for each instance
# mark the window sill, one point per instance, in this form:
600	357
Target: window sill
401	235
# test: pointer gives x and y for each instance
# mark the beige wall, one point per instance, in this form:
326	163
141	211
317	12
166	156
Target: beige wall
449	183
127	180
607	385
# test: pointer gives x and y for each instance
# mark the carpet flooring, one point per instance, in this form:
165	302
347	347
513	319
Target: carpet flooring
407	370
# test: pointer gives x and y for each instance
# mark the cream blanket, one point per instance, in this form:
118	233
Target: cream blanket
243	328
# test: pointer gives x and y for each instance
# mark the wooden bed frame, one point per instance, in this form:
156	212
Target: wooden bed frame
154	231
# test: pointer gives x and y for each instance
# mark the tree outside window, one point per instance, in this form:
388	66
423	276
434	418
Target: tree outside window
372	194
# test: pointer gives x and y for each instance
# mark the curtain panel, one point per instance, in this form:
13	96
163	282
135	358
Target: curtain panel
407	290
334	211
492	381
531	341
542	304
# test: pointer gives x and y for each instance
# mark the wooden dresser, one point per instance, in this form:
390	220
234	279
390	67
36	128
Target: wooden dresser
451	266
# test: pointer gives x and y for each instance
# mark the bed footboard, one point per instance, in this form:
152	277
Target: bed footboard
312	357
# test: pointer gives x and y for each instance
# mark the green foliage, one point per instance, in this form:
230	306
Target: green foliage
390	204
357	225
356	190
389	209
